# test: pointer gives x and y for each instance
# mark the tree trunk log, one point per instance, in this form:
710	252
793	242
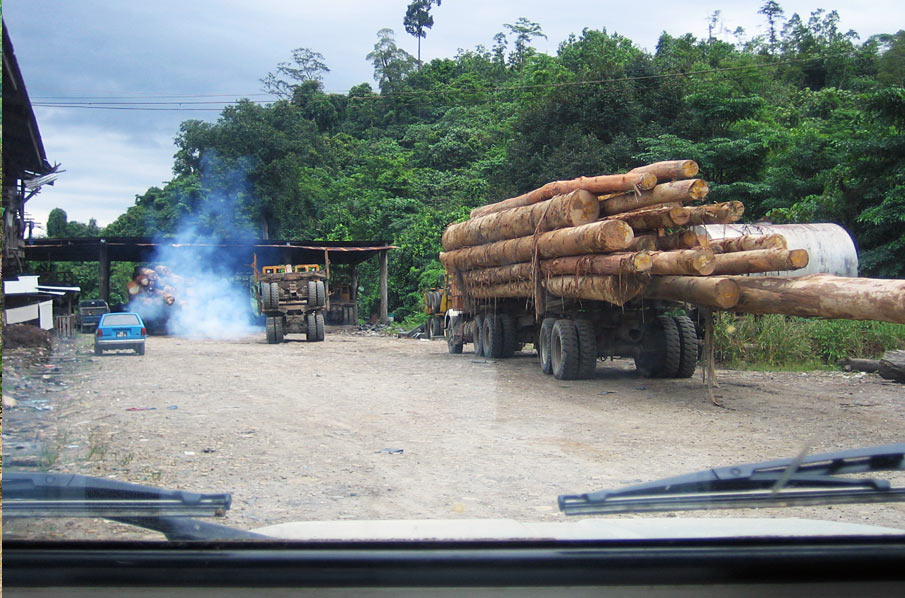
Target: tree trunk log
646	242
683	239
606	264
823	296
676	191
669	170
596	237
573	209
892	366
760	260
498	275
748	243
654	218
691	262
712	291
718	213
613	289
523	289
597	185
860	365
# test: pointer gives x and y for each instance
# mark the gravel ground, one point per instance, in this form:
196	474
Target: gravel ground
374	427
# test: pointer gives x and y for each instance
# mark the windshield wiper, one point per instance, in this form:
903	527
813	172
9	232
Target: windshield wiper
29	494
804	480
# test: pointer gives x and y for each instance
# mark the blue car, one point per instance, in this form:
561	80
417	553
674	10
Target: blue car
120	331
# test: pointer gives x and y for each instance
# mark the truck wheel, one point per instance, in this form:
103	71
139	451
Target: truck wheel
564	352
493	336
310	327
320	290
280	328
436	328
478	334
543	345
509	331
267	296
660	349
319	326
688	340
454	344
270	327
587	349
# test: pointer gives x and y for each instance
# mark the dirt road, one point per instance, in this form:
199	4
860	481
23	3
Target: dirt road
367	427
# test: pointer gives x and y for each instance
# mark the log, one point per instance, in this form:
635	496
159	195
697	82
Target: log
892	366
498	275
691	262
760	260
572	209
670	169
613	289
596	237
501	291
646	242
859	365
597	185
654	218
683	239
676	191
748	243
717	213
712	291
823	296
601	264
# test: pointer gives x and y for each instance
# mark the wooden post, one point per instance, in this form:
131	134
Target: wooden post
384	317
103	271
353	274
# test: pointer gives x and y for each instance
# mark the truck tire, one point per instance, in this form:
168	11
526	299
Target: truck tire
319	326
436	328
478	334
320	290
688	340
564	352
661	349
312	293
543	345
454	345
269	299
493	336
280	328
270	328
587	349
310	327
509	331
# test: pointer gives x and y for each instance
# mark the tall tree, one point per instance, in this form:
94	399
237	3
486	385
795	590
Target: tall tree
524	31
418	19
306	65
57	223
773	11
391	63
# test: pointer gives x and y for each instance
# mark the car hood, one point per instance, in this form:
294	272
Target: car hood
584	529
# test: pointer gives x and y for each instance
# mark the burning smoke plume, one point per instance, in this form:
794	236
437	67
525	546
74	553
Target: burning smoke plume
199	285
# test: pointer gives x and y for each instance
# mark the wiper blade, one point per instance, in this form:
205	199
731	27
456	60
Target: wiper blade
811	480
28	494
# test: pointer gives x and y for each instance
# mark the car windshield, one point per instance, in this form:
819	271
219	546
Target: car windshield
120	320
458	270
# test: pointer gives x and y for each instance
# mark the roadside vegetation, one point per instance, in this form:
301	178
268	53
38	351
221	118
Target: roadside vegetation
802	124
775	341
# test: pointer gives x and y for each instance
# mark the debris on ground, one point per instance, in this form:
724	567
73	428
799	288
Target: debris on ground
26	335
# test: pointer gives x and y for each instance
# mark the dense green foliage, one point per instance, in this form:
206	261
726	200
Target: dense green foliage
773	341
802	124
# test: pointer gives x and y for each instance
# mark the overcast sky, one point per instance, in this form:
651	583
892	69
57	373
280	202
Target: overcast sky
88	49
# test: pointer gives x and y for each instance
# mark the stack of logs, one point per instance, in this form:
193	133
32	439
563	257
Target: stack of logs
154	288
616	238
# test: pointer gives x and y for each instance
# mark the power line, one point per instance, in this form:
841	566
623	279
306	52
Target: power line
177	105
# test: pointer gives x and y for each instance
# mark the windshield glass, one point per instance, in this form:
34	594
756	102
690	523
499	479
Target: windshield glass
463	262
120	320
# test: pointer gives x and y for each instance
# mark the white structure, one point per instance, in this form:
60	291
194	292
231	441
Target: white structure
32	301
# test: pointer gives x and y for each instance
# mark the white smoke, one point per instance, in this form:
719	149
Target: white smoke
200	287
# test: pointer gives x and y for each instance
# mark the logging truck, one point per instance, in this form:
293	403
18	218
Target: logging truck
293	299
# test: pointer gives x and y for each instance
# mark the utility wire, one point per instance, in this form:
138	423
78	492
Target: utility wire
408	93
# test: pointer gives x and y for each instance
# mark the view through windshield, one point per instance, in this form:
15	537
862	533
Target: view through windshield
448	266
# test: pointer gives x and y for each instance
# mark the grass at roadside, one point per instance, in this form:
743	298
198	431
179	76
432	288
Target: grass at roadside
779	342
